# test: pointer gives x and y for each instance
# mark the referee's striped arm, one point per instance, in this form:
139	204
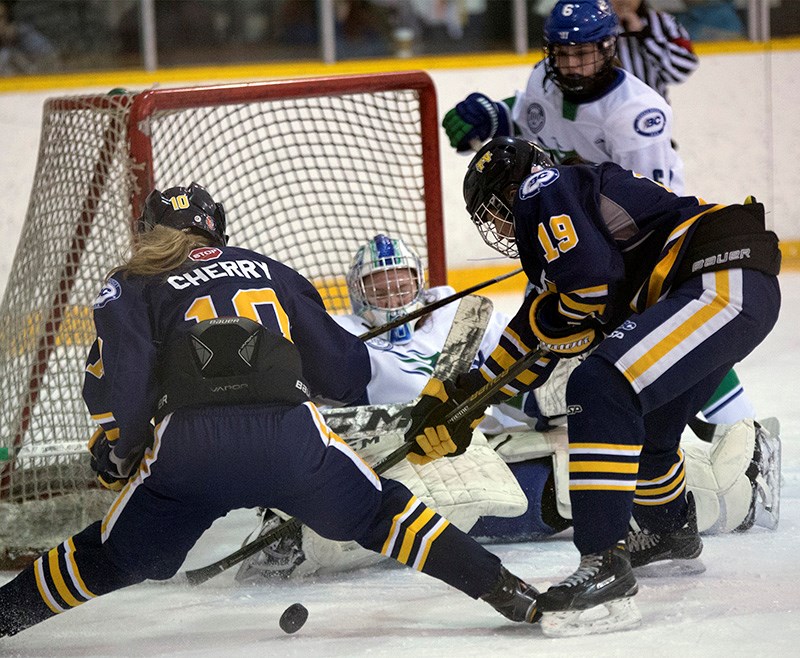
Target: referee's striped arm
663	57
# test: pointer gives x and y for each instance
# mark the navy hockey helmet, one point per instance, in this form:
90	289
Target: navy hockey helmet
575	23
492	179
185	208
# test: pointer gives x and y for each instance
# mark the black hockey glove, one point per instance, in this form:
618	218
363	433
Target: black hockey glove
112	472
557	333
433	437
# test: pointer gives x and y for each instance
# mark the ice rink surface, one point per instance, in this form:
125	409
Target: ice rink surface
747	603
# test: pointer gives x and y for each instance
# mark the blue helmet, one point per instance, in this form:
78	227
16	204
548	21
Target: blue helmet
576	22
385	282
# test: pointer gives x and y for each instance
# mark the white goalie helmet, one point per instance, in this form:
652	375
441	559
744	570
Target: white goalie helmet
386	281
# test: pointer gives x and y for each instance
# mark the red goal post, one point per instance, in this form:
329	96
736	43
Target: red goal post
307	170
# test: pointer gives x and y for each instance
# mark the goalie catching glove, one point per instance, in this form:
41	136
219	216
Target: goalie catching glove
557	333
112	472
434	437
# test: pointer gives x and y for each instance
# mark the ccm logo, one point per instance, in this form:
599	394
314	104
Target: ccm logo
205	253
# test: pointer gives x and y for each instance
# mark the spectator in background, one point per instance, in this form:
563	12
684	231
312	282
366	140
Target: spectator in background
712	20
23	50
653	46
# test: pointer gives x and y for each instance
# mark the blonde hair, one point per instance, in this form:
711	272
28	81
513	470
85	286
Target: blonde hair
159	251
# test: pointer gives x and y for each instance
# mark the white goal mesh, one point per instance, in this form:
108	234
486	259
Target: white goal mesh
307	170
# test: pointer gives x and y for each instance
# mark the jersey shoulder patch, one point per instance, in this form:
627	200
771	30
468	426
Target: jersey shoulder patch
650	122
109	292
533	184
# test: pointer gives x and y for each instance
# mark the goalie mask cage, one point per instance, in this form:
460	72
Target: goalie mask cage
307	171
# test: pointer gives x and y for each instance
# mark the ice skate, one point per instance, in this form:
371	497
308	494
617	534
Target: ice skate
278	560
680	547
767	478
597	598
514	598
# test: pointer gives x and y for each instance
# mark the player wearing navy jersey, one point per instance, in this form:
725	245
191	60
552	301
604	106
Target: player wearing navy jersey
222	349
577	103
672	291
734	481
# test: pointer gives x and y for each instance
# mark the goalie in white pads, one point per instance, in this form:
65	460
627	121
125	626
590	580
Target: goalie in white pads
478	484
386	281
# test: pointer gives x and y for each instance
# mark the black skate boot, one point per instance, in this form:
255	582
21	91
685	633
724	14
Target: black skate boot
513	598
602	580
680	545
277	560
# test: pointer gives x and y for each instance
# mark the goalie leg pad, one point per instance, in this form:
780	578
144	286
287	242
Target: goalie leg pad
464	488
540	520
718	477
551	396
277	560
524	446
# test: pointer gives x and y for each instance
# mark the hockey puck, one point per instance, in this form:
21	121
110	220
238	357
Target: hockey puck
293	618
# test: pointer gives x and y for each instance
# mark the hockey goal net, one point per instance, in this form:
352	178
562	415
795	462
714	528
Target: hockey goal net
307	171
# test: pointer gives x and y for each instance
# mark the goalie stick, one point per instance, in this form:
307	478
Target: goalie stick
360	426
702	429
480	397
377	331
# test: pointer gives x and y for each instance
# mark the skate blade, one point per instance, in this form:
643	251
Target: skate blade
767	518
616	615
769	485
670	568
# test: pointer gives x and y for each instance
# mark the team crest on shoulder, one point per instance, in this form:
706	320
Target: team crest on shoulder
205	253
379	343
532	184
536	117
109	292
650	123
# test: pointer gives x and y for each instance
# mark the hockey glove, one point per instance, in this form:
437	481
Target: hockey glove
475	119
557	333
112	472
433	437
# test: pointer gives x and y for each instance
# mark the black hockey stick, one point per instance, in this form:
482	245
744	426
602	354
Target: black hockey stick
705	431
474	401
702	429
377	331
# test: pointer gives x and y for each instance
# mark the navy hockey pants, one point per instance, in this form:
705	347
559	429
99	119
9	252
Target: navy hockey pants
207	462
629	402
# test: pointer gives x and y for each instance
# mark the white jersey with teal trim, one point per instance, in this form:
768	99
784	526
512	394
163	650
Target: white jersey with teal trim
400	372
631	125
